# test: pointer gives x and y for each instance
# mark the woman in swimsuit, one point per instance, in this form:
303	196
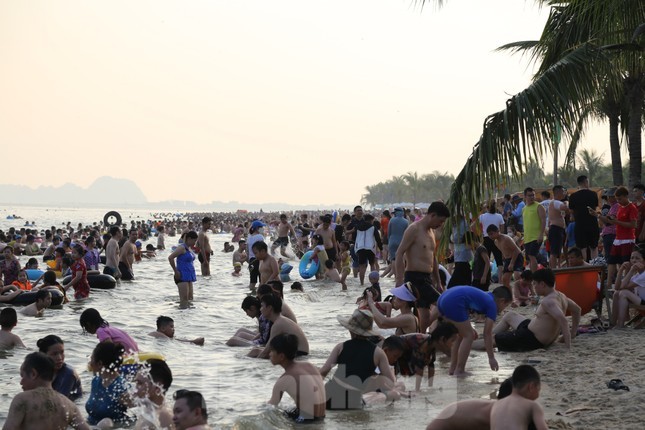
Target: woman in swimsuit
9	267
184	269
406	322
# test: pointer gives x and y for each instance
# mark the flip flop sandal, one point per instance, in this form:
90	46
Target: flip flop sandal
617	384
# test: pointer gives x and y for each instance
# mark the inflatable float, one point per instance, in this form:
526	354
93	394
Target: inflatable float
29	297
99	281
308	268
285	269
34	274
112	218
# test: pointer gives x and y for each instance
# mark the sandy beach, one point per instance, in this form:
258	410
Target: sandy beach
574	383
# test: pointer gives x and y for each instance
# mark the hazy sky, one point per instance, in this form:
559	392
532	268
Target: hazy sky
256	101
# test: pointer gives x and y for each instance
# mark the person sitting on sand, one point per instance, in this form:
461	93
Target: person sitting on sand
518	410
189	411
9	320
152	382
455	304
36	309
575	258
39	406
403	301
522	290
166	330
245	337
515	332
357	360
271	308
301	380
410	354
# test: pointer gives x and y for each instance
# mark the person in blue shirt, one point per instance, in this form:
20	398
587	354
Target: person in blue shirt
455	304
66	380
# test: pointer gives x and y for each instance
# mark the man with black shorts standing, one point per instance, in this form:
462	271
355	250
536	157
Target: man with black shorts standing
586	229
557	225
417	249
534	217
284	228
204	246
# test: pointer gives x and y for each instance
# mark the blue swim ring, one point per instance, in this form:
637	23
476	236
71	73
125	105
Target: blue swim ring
34	274
307	267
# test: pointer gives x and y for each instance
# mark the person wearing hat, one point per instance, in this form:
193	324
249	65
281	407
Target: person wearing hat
255	235
357	360
395	229
403	301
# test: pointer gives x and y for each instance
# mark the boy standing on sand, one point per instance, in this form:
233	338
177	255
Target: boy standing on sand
301	380
8	320
39	406
520	408
512	254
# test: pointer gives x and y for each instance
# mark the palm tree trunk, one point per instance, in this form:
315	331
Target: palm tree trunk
614	144
635	100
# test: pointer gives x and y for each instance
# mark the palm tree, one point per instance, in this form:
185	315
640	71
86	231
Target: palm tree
591	163
586	46
414	182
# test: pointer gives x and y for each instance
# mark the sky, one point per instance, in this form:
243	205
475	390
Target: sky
302	102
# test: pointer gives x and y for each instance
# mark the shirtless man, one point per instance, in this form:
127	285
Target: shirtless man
518	410
557	225
36	309
112	253
465	414
269	270
329	237
126	257
511	253
204	246
271	309
239	255
416	261
300	379
39	406
284	228
549	322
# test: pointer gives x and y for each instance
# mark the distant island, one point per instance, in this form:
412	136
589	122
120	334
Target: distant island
108	192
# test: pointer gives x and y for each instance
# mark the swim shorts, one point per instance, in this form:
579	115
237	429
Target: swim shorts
107	270
422	281
200	257
331	254
126	273
281	241
532	248
365	256
254	270
295	415
518	340
556	239
518	267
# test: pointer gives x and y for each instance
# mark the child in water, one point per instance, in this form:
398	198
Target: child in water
79	274
344	262
92	322
237	269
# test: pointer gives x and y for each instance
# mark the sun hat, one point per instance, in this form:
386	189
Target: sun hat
359	323
403	292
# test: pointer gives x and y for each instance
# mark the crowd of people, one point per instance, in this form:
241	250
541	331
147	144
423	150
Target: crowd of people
515	244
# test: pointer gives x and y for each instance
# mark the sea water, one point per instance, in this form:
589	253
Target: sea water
235	387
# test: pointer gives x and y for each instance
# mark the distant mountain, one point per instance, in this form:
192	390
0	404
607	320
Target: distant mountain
104	191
